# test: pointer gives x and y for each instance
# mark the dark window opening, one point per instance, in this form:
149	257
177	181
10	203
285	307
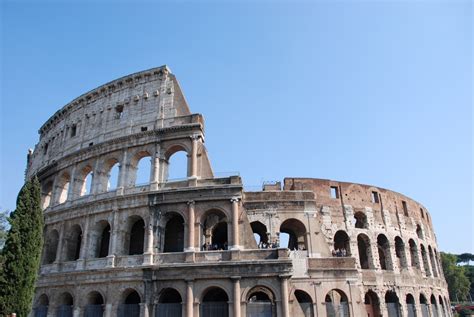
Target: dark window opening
73	131
45	149
405	208
334	192
91	144
422	213
119	112
137	235
104	242
375	197
219	236
174	235
143	129
360	220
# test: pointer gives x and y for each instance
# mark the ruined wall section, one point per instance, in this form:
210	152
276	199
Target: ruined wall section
139	102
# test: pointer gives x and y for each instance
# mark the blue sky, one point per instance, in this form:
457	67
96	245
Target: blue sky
376	92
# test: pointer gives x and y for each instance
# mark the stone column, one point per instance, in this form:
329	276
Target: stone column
237	304
97	175
189	299
235	224
148	255
72	186
194	141
59	249
122	178
76	311
285	309
143	310
191	220
84	246
108	310
155	171
113	240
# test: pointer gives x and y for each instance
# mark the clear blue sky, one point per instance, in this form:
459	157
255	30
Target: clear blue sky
376	92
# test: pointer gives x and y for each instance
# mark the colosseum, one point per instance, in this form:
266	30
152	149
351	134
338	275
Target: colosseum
201	245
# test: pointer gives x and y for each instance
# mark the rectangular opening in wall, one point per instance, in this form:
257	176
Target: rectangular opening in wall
334	192
45	149
144	129
375	197
422	213
73	131
119	112
405	208
91	144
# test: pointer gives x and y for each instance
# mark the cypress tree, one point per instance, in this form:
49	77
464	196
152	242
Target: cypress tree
21	254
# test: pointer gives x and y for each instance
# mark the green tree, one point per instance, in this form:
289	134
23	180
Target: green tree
4	226
458	282
22	251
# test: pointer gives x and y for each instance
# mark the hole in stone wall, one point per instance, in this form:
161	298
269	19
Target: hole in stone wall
334	192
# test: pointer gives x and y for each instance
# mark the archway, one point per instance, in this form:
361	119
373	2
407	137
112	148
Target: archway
113	173
400	252
41	307
392	303
95	305
215	303
130	306
441	305
426	264
169	303
73	243
260	302
296	231
419	232
143	170
415	262
99	240
372	304
304	304
260	233
365	253
51	247
174	234
383	247
433	263
137	236
425	311
66	303
63	188
411	309
46	194
214	230
342	245
336	304
177	166
434	306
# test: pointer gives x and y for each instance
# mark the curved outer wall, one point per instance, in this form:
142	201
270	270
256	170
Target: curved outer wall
117	247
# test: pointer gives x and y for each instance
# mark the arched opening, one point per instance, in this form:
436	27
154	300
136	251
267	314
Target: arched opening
73	243
400	252
392	303
383	247
214	231
260	302
95	305
66	303
296	231
137	236
342	245
360	220
411	309
434	306
63	188
426	264
419	232
51	247
169	303
438	266
372	304
441	306
425	310
85	181
46	194
143	170
100	239
113	175
177	166
174	234
304	305
41	307
415	262
336	303
260	234
130	306
433	263
365	253
215	303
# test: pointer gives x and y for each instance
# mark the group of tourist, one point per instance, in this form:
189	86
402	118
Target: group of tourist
214	247
268	245
339	252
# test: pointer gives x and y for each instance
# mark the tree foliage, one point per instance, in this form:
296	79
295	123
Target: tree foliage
465	258
4	226
22	251
458	282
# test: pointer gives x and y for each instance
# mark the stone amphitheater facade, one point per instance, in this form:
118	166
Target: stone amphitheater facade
202	245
